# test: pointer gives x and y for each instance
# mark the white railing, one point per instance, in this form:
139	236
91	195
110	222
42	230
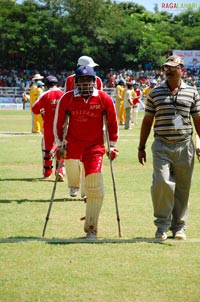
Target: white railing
14	92
11	92
17	92
11	97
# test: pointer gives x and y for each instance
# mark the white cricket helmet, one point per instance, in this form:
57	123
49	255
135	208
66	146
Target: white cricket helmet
86	61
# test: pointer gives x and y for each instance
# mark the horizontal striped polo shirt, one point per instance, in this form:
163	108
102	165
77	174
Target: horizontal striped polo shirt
164	106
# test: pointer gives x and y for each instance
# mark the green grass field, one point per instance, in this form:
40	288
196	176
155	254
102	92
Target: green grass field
63	267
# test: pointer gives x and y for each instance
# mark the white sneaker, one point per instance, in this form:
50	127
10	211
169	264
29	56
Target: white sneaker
91	234
60	177
73	192
179	235
47	177
160	235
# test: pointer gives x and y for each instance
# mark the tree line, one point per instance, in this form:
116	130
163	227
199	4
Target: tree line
53	34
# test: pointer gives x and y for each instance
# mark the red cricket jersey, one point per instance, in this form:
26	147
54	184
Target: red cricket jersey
85	128
136	101
48	101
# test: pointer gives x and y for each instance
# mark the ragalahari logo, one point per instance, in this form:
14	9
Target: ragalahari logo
176	6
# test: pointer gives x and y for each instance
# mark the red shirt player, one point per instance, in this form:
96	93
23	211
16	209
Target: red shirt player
136	102
138	92
46	105
85	137
74	178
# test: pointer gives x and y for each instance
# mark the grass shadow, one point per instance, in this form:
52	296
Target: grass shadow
19	201
27	179
82	240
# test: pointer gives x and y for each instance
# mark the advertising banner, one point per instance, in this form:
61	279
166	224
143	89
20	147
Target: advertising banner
191	59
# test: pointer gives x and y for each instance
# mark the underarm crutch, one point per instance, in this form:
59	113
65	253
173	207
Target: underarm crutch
57	174
111	169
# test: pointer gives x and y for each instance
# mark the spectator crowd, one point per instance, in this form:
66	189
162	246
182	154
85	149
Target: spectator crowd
23	78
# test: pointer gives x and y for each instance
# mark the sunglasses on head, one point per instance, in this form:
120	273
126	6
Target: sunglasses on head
172	68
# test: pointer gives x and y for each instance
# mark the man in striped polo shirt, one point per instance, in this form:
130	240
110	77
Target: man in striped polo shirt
172	104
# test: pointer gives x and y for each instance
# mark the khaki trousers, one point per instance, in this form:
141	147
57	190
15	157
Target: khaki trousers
172	173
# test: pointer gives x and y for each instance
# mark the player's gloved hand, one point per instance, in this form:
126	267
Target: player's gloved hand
42	112
53	150
114	152
61	152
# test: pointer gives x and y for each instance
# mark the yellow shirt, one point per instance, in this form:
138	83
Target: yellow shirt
33	94
119	93
146	92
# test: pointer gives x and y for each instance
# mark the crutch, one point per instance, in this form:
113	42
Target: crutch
111	169
59	165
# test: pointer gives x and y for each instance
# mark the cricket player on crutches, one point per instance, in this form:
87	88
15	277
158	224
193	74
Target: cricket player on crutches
76	179
85	137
